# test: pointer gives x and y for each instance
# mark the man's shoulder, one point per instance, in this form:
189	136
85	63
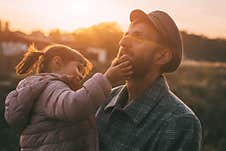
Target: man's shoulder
176	107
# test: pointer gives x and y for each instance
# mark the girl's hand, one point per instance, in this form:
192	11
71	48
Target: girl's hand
120	70
76	79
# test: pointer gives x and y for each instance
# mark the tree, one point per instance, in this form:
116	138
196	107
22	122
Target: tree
55	35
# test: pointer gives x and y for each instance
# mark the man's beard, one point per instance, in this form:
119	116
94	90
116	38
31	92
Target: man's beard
140	70
141	67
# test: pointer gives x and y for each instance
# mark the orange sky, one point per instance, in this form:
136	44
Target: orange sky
202	17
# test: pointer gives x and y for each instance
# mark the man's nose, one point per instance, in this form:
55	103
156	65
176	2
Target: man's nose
125	41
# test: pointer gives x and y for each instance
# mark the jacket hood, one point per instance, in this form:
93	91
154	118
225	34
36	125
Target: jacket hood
19	102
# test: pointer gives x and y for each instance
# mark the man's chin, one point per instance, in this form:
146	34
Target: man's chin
138	75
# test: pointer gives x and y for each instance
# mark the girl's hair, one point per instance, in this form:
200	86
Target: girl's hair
37	61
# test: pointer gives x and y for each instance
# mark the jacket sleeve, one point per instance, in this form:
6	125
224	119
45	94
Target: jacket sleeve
66	104
182	133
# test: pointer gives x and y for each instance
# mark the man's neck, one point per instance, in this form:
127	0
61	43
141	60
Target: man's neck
136	87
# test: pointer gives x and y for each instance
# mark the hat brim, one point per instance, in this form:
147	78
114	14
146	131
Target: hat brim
139	15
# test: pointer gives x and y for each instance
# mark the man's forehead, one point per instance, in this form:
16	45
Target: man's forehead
147	29
142	26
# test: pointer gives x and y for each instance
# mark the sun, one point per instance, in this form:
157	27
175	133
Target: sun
66	15
74	14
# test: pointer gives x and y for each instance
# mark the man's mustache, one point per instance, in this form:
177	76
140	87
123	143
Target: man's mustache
123	51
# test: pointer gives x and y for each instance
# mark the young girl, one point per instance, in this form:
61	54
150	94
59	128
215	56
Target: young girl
51	110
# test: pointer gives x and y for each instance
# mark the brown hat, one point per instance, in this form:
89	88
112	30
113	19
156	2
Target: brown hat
165	25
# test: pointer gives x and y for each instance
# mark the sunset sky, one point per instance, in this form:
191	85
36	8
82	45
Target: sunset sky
206	17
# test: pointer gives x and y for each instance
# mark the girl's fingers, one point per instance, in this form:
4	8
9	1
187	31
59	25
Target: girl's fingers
123	58
114	62
123	64
118	60
128	73
127	68
125	75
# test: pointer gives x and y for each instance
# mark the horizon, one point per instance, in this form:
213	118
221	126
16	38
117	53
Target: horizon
46	33
30	15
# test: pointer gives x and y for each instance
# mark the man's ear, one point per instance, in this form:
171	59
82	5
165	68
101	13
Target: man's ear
163	56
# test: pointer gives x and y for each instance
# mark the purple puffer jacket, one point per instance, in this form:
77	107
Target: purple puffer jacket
50	116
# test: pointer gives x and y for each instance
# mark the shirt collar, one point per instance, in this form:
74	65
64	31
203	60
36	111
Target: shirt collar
142	105
122	92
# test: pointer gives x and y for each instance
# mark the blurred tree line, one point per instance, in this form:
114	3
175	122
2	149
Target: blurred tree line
201	85
104	35
201	48
107	35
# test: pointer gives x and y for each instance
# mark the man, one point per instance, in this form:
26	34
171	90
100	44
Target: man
144	115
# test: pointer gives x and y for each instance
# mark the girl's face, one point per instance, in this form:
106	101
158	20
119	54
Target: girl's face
75	71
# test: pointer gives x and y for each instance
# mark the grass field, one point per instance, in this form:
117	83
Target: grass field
202	85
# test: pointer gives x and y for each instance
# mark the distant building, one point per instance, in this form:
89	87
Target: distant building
0	26
67	37
38	34
100	53
4	26
11	48
7	26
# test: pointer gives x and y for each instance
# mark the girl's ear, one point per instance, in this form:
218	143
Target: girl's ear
163	56
57	62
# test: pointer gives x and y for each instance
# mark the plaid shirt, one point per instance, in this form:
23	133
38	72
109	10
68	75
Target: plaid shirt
154	121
